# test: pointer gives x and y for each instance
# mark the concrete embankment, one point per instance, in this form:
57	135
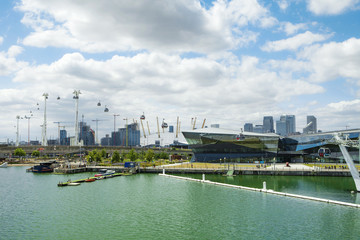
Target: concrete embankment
278	172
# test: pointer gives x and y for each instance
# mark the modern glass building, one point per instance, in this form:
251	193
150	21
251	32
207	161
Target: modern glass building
286	125
268	124
212	145
311	126
248	127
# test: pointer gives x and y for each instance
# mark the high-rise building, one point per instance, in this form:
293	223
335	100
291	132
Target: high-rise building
286	125
292	123
311	126
268	124
87	135
63	135
106	141
248	127
281	128
128	136
258	129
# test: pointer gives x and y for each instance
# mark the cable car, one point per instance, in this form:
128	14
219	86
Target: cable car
164	124
58	98
99	104
240	137
142	117
106	109
324	152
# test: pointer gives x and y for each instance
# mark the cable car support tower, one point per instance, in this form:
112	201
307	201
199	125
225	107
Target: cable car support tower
343	142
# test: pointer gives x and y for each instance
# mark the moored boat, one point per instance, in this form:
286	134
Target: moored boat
73	184
90	180
4	165
44	167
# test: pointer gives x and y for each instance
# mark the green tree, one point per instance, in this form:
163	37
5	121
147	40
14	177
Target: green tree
116	157
163	155
132	155
103	153
142	155
149	155
95	156
19	152
35	153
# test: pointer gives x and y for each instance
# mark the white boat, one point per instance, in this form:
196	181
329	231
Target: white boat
4	165
109	172
73	184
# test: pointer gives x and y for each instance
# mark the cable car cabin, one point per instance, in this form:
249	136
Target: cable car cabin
142	117
99	104
164	125
324	152
58	98
106	109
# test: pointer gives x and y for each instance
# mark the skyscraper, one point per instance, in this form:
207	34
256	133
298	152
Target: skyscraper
311	126
268	124
248	127
286	125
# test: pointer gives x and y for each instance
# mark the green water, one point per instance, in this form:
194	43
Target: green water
148	206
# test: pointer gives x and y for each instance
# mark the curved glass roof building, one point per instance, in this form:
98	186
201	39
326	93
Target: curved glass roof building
215	144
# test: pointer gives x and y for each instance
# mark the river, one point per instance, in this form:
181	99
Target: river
149	206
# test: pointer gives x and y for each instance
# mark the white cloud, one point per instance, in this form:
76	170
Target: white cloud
291	29
8	62
159	85
339	115
330	7
169	26
283	4
333	60
1	40
293	43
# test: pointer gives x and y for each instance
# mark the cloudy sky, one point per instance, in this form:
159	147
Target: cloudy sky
230	62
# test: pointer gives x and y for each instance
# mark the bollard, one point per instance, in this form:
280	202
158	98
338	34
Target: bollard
264	185
203	177
164	171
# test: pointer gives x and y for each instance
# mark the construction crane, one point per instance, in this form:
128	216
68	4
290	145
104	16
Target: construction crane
96	133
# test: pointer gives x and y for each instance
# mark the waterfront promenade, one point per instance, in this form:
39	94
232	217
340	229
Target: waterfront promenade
222	169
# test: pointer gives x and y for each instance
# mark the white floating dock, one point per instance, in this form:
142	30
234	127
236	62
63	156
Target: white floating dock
266	191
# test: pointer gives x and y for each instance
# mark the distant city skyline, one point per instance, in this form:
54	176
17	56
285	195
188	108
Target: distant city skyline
229	62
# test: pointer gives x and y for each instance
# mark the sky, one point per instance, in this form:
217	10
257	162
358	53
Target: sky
229	62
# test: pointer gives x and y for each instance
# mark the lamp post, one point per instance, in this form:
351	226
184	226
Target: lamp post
17	130
76	97
44	137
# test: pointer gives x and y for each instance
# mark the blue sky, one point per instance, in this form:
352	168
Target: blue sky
230	62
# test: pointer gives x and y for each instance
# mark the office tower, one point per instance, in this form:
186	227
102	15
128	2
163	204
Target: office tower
268	124
311	126
248	127
286	125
